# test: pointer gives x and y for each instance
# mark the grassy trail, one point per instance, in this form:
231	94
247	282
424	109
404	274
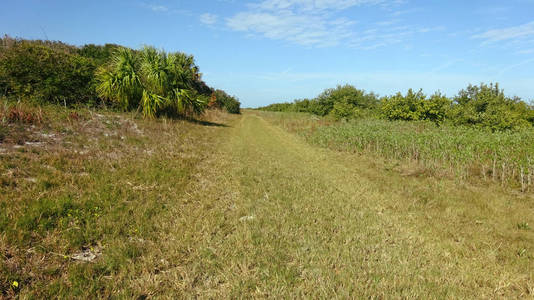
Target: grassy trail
247	210
297	220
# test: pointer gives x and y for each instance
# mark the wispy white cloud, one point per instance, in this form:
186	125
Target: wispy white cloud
208	19
388	22
308	30
520	32
430	29
304	22
318	23
158	8
492	10
386	36
446	65
313	5
398	13
164	9
525	51
514	66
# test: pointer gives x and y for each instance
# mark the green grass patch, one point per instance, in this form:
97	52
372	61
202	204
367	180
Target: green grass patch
505	158
89	182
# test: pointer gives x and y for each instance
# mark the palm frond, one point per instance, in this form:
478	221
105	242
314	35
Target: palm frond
152	80
151	103
120	81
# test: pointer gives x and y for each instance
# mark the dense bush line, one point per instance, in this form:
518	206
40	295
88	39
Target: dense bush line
149	80
45	72
220	99
343	102
483	106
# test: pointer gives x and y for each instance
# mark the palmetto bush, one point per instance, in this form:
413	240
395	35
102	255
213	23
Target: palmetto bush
152	81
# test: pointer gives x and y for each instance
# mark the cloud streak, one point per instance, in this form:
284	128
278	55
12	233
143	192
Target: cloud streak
164	9
313	5
307	30
208	19
520	32
317	23
158	8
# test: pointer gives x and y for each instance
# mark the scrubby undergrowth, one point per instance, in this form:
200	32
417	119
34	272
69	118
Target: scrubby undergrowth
152	81
84	184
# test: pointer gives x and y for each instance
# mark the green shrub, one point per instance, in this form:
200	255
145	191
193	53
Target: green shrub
416	107
233	106
302	105
52	74
229	103
344	111
154	81
487	106
99	54
279	107
483	106
436	108
407	108
342	102
348	94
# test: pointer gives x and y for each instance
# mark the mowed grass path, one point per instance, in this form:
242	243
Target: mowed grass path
288	219
249	210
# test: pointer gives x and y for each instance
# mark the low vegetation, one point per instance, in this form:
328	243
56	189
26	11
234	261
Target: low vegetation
152	80
82	177
484	106
464	152
479	134
80	191
45	72
343	102
149	80
99	204
135	182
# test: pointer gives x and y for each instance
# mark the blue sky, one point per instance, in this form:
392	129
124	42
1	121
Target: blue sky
265	51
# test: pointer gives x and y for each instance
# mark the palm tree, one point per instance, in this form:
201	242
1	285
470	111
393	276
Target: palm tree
152	80
120	80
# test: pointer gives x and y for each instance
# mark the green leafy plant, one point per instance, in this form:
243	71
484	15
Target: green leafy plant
415	106
487	106
408	107
344	111
483	106
45	72
222	100
342	102
153	81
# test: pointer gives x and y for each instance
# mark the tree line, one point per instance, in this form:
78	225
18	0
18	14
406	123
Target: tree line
152	81
483	105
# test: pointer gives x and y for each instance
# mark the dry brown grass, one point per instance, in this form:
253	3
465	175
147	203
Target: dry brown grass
178	209
81	181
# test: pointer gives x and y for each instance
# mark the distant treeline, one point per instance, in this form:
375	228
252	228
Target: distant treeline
150	80
482	106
